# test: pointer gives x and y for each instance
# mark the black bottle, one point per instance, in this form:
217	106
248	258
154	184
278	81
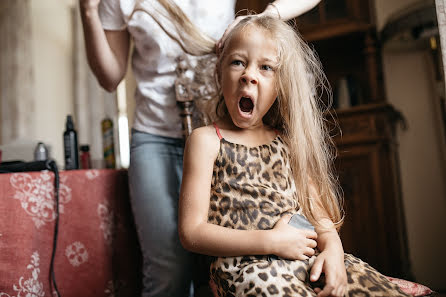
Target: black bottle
71	151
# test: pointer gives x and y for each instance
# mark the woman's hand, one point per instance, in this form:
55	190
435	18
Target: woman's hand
331	262
291	243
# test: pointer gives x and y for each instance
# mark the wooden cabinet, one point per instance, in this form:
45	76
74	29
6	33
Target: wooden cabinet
331	18
344	36
367	165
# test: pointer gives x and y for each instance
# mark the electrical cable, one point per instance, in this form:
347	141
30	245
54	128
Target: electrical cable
20	166
53	167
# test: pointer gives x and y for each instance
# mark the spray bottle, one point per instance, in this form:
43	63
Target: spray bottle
71	152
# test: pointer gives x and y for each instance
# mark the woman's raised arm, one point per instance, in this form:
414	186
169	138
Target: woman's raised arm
107	51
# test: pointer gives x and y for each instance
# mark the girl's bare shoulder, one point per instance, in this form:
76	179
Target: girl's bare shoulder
203	140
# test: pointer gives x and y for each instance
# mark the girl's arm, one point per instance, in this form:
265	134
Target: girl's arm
107	51
199	236
331	259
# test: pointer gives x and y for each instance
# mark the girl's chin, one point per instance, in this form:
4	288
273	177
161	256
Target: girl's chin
244	122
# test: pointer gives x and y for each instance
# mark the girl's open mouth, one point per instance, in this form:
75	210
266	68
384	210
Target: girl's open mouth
246	105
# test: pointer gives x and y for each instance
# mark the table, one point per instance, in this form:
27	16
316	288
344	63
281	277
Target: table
97	248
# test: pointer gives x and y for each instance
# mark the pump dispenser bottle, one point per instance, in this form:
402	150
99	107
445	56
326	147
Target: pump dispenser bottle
71	151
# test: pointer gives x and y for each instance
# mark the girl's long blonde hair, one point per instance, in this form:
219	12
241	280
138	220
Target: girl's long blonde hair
298	111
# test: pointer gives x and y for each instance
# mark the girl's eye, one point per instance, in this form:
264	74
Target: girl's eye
267	68
237	63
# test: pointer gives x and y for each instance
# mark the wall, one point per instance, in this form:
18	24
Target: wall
16	78
410	88
53	71
385	9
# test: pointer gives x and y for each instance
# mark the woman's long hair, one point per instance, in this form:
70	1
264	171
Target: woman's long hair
298	111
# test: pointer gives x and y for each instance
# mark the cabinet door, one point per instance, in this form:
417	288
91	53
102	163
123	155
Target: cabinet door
359	178
374	226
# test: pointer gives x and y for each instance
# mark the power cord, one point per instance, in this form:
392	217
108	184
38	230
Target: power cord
20	166
53	167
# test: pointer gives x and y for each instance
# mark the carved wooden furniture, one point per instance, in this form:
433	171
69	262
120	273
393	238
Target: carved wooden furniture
196	91
367	164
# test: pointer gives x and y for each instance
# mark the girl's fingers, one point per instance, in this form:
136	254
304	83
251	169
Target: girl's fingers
285	219
302	257
311	234
309	252
339	292
328	289
316	270
332	284
311	243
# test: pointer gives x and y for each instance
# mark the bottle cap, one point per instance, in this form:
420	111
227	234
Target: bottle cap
85	148
69	125
40	152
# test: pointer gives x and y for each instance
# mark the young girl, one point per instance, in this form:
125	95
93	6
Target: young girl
266	158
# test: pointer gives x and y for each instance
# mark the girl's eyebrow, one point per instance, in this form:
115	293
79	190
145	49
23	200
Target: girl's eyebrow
269	60
236	54
263	59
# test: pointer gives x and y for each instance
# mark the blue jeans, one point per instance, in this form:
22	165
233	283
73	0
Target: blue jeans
154	178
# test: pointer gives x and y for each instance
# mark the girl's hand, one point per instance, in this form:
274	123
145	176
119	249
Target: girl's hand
291	243
332	264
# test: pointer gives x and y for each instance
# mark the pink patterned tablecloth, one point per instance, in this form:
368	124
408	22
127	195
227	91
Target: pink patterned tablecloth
97	251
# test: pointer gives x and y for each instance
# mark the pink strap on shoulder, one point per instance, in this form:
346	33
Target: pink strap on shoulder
217	130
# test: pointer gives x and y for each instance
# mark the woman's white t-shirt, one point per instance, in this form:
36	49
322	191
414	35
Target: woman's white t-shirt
155	53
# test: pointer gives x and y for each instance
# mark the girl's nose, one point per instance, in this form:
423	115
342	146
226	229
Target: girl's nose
248	78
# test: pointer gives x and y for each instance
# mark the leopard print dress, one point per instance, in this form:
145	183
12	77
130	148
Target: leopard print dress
251	189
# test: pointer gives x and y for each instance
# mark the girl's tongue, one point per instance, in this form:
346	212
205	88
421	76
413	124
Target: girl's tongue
246	104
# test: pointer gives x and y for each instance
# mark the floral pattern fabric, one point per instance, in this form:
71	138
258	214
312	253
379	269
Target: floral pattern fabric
97	252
